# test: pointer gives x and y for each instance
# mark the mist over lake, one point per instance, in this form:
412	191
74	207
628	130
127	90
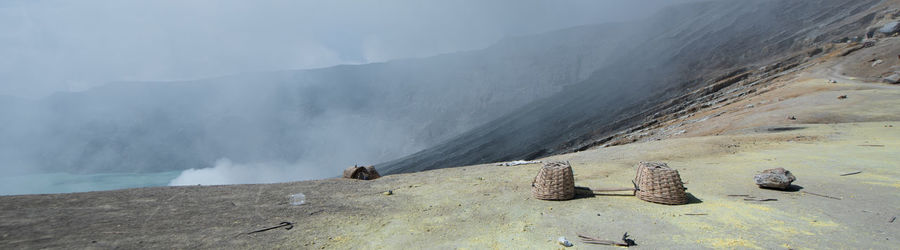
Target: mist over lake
229	92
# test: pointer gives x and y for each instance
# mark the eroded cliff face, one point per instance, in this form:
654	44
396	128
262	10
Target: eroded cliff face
681	50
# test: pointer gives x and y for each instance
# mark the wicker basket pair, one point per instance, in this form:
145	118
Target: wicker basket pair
655	182
361	173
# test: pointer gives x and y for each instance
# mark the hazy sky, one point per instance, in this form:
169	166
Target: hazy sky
48	46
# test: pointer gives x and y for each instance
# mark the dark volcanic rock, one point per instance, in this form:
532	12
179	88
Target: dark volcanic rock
777	178
892	79
890	28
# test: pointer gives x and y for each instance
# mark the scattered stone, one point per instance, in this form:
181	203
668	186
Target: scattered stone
563	241
832	81
297	199
389	192
815	52
868	44
890	28
892	79
777	178
842	97
877	62
792	118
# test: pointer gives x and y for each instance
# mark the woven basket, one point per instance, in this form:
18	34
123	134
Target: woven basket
658	183
356	172
373	174
555	181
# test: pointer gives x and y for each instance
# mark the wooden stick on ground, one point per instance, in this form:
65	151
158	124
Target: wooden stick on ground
851	173
611	189
821	195
591	240
748	197
759	199
286	225
601	191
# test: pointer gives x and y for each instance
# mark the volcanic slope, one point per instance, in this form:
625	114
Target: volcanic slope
683	49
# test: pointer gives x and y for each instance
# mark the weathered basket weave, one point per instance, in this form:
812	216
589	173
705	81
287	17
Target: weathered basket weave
555	181
658	183
356	172
373	174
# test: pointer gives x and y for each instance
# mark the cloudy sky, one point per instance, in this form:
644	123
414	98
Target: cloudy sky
48	46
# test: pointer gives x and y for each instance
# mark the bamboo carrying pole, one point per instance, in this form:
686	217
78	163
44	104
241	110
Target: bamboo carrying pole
602	191
612	189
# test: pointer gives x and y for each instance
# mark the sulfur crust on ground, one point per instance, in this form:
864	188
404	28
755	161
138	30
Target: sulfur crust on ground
490	207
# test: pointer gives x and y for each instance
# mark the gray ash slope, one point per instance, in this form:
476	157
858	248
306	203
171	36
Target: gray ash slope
680	49
328	117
